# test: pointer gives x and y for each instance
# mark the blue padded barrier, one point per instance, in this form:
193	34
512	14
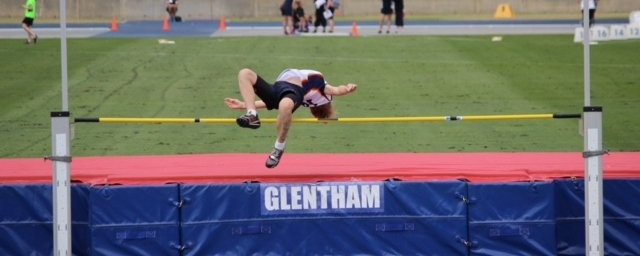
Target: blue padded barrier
570	216
81	238
26	219
135	220
400	218
512	218
370	218
621	217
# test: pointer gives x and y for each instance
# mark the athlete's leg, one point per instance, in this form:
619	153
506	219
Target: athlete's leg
172	11
290	25
331	20
283	122
285	25
26	25
28	30
246	80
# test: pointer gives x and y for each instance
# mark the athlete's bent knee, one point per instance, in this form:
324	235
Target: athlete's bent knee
287	103
245	72
247	75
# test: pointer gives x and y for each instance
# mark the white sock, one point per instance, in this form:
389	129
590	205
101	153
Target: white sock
279	145
252	112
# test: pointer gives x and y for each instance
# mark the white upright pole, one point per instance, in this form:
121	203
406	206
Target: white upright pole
586	44
61	185
61	156
594	220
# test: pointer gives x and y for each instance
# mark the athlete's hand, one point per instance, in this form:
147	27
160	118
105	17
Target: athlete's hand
234	103
352	87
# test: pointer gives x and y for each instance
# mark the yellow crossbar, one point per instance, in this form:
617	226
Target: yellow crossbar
341	120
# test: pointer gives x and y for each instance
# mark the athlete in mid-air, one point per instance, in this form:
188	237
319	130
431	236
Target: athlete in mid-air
293	88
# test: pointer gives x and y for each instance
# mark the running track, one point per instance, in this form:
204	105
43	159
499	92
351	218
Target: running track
209	28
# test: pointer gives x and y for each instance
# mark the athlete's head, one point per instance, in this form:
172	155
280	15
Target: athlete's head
323	111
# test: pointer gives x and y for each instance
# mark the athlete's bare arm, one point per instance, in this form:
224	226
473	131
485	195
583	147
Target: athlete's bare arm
238	104
339	90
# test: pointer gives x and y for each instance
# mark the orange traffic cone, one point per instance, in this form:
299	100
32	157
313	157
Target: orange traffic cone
165	26
223	24
114	24
354	29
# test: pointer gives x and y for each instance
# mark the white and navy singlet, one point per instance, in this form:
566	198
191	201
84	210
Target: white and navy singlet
313	84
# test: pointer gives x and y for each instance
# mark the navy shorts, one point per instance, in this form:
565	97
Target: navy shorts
286	11
386	7
28	21
272	94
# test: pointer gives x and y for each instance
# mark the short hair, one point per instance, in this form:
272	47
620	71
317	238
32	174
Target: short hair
323	111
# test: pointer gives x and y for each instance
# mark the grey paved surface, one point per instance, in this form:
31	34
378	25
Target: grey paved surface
370	30
153	29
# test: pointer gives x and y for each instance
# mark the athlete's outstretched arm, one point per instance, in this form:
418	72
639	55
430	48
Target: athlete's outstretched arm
238	104
339	90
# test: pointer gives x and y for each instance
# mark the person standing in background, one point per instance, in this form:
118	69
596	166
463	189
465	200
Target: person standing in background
386	11
334	6
320	20
172	9
287	12
399	10
27	22
299	18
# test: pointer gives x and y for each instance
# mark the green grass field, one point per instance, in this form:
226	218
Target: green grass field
397	76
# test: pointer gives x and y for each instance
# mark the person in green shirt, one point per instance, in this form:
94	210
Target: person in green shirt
27	22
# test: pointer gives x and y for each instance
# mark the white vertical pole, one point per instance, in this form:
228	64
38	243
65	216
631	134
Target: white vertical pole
61	183
61	156
63	55
594	220
586	42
